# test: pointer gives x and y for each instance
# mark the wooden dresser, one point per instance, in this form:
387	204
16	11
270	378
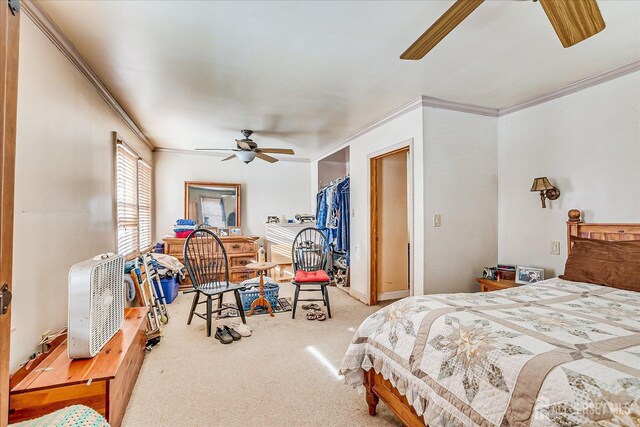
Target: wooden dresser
104	382
241	250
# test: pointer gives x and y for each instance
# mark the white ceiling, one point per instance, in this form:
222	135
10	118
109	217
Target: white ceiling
307	74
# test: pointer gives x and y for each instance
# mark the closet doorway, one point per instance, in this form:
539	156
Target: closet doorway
390	240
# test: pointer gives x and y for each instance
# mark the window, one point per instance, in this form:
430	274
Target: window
144	205
133	200
213	212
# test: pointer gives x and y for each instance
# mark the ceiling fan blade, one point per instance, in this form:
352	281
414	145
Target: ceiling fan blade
233	156
216	149
243	144
574	21
267	158
443	26
276	150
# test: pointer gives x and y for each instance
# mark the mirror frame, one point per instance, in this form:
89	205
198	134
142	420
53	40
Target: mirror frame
189	184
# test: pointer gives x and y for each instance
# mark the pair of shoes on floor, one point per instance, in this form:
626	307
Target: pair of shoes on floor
242	329
312	306
227	335
316	315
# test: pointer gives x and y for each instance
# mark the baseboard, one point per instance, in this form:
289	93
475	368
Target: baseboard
359	296
384	296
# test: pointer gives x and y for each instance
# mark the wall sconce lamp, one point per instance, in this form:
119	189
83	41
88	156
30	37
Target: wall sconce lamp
547	191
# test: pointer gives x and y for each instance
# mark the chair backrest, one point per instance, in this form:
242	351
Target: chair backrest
310	250
205	258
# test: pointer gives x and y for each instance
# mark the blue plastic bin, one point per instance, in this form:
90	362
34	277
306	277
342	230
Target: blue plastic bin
169	288
271	291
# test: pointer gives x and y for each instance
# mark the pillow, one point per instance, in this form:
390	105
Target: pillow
601	262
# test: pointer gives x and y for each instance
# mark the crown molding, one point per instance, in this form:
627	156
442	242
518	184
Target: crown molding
218	154
403	109
44	22
422	101
428	101
571	88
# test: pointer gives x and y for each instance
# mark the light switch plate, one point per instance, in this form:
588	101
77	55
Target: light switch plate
437	220
554	247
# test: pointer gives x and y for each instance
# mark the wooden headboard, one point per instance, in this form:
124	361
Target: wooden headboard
575	227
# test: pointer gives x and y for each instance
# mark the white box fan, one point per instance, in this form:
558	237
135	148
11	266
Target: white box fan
96	304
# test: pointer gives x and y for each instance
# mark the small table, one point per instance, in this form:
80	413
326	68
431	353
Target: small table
488	285
261	268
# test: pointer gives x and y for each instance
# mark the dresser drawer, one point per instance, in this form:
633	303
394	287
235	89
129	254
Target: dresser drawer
238	277
239	247
241	261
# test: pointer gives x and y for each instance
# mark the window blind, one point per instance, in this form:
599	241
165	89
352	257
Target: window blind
127	200
144	205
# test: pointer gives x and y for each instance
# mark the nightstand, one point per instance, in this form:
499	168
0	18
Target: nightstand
488	285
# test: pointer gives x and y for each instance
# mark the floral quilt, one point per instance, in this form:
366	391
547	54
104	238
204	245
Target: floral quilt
553	353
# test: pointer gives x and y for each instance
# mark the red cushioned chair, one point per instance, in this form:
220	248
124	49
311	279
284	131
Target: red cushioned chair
310	255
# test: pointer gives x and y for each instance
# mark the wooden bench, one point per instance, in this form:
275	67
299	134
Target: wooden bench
104	382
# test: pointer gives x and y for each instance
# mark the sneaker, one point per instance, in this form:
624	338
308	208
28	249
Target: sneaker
223	336
236	336
242	329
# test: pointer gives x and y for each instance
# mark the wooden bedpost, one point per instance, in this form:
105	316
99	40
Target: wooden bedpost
572	226
372	398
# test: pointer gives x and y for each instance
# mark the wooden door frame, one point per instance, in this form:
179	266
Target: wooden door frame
405	146
9	36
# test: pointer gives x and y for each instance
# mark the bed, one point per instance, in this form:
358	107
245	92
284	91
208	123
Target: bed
553	353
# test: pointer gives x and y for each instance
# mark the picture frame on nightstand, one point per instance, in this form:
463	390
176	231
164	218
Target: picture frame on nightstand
527	275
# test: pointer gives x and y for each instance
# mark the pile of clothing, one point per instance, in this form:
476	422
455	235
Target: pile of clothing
184	227
168	267
332	213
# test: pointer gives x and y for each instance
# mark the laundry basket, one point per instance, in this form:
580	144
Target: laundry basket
271	291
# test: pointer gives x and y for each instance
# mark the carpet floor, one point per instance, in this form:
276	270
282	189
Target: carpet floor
285	374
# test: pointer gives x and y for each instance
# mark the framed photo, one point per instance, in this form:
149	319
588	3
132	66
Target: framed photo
235	231
223	232
526	275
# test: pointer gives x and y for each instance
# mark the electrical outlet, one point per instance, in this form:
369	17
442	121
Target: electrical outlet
554	247
436	220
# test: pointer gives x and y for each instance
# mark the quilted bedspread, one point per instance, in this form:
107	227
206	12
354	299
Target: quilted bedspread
553	353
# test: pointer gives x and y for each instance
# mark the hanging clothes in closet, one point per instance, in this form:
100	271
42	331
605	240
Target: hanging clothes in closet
332	213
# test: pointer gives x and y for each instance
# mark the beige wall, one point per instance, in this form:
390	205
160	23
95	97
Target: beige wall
454	174
406	129
266	188
588	144
64	185
461	175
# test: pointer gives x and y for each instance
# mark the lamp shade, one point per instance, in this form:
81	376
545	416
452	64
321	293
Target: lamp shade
246	156
541	184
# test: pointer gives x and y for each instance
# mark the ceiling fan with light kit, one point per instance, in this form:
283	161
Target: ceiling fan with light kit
572	20
247	150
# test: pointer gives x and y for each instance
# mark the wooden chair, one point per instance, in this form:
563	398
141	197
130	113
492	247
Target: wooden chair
310	255
208	267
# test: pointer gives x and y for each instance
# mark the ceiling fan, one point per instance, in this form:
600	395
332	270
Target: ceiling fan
573	21
248	150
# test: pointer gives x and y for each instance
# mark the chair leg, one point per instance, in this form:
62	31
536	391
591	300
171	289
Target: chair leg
209	309
295	301
193	307
220	302
239	304
326	300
